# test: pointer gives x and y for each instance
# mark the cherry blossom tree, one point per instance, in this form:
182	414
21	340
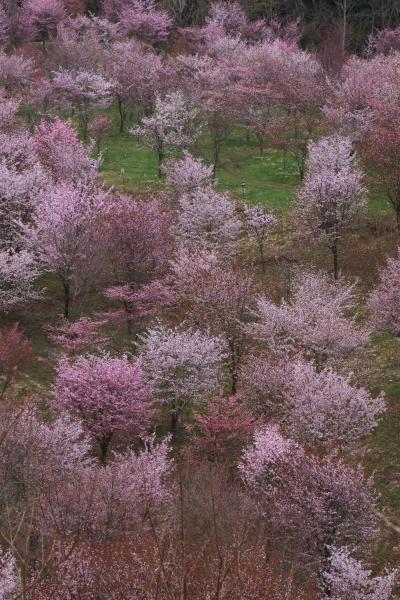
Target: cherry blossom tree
139	246
83	90
137	75
224	429
107	394
18	273
142	19
218	295
83	334
385	41
99	128
15	355
332	195
4	25
62	154
63	236
348	579
227	15
185	175
10	584
315	503
383	301
16	74
260	224
207	219
184	366
325	409
319	320
45	15
21	182
172	124
9	108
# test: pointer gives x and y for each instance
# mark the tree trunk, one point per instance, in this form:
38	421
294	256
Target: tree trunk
215	158
160	160
104	444
174	422
335	261
67	298
122	115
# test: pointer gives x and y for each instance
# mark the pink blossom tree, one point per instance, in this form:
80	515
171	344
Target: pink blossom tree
142	19
137	76
63	236
83	334
45	15
84	90
62	154
332	195
217	295
16	74
347	578
318	320
18	273
99	128
223	430
20	185
10	583
228	16
384	300
107	394
184	366
185	175
260	224
207	218
173	124
139	245
325	409
315	503
4	26
15	355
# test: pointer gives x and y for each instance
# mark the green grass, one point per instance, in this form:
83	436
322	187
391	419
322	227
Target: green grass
270	179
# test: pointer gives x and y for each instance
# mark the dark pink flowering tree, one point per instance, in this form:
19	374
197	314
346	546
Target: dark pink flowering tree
173	124
384	300
184	366
45	15
83	334
62	154
139	247
107	394
332	195
223	429
15	355
325	409
84	90
318	321
63	236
